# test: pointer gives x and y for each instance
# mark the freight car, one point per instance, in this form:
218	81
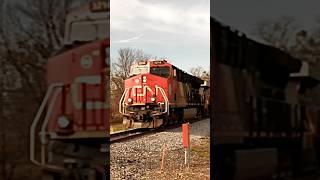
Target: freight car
158	93
260	124
68	134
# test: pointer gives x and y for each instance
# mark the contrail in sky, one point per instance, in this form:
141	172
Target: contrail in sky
129	40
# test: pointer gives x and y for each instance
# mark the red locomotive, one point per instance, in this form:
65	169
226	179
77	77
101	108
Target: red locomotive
158	93
74	112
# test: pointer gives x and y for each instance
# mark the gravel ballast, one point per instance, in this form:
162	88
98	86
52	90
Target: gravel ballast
141	158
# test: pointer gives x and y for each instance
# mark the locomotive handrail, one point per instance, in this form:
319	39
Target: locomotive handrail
46	120
165	99
33	129
121	105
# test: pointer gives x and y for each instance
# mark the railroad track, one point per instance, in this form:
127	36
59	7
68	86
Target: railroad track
136	133
128	134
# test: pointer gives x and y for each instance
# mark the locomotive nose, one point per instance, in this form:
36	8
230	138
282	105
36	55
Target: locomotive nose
141	91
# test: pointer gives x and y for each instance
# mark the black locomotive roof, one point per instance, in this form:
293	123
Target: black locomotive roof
243	52
185	77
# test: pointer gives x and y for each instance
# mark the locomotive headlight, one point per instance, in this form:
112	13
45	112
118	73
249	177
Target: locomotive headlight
153	99
86	62
129	100
63	122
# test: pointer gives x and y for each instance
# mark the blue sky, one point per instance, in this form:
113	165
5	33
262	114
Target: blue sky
244	14
176	29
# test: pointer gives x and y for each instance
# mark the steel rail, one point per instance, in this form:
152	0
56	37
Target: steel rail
137	133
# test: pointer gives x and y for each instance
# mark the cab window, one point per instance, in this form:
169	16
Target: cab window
136	70
160	71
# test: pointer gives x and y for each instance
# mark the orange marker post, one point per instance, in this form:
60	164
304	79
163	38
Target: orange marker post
185	135
186	140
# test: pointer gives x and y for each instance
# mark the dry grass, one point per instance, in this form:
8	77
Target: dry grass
199	167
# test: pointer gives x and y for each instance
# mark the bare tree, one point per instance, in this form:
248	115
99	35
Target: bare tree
121	68
307	44
306	47
279	33
284	33
200	72
127	57
31	32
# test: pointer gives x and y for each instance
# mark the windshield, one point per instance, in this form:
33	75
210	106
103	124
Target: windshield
160	71
87	31
136	70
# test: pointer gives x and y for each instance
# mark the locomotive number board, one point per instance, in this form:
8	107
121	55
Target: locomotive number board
99	6
158	62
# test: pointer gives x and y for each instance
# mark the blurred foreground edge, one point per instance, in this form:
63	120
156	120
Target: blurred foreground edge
70	132
262	113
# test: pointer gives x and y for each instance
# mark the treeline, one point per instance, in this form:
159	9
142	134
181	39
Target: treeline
286	34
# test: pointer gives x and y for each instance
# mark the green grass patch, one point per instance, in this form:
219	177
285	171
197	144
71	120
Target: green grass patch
203	148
